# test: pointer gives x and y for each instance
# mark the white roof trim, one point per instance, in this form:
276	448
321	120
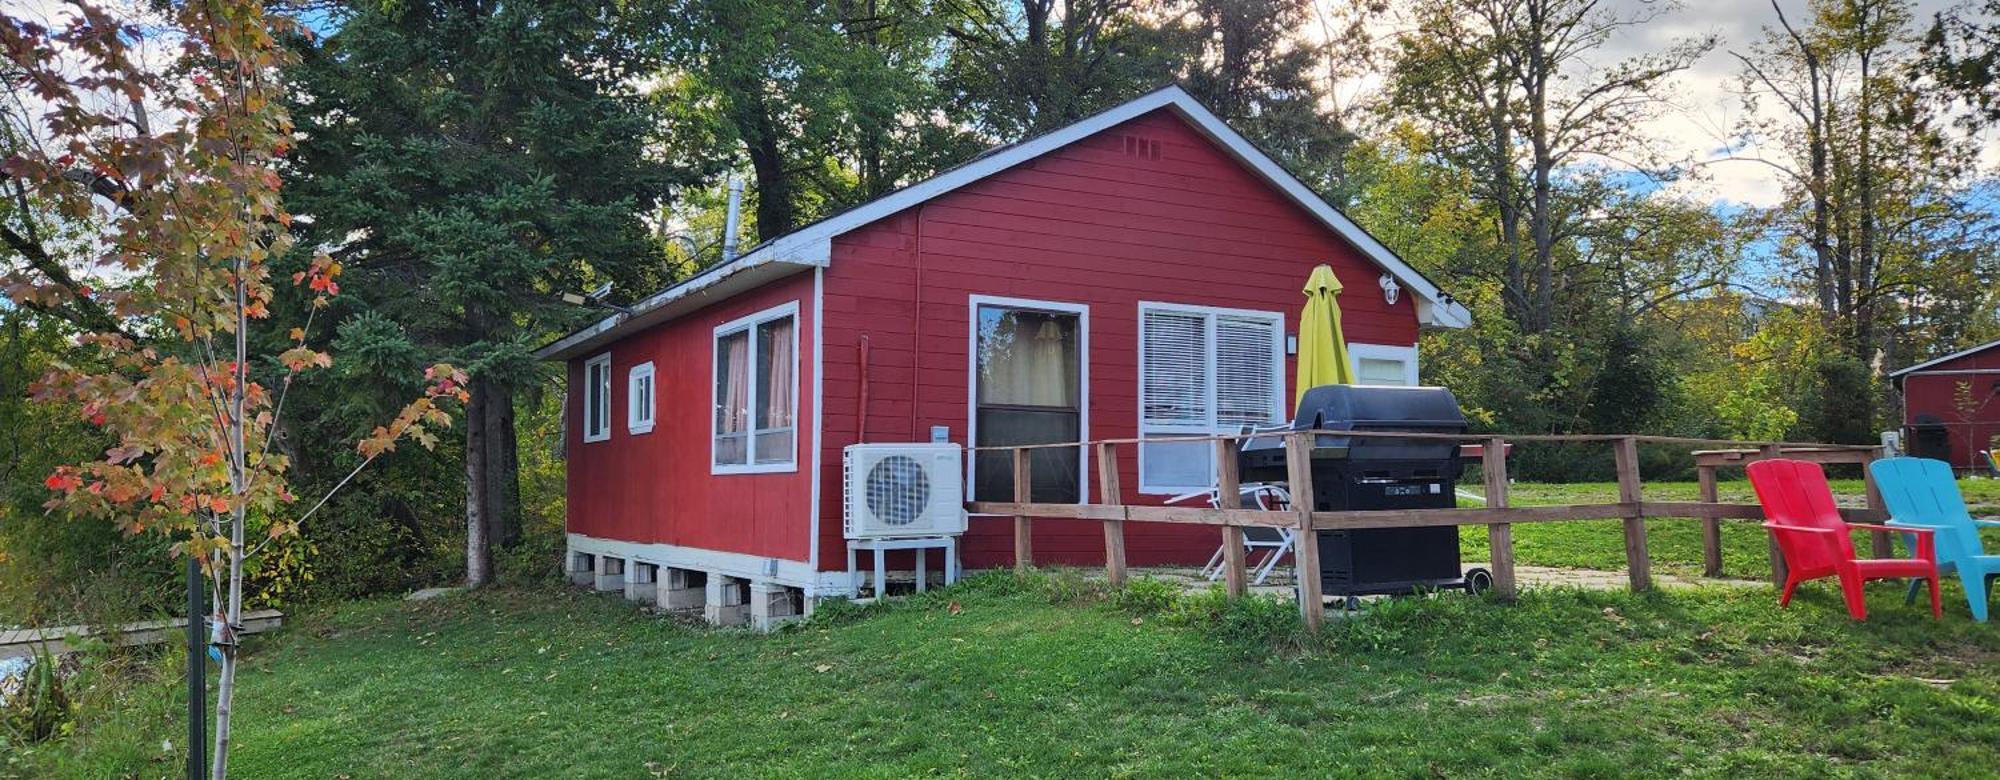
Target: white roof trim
812	245
1434	306
1953	356
805	254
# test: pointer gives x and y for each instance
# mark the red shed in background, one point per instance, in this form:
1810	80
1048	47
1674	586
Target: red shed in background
1951	406
1143	267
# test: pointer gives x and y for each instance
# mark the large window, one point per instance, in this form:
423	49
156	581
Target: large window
756	392
1028	360
639	399
1203	371
597	398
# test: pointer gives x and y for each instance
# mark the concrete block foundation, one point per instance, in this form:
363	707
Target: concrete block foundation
728	600
773	605
610	573
582	569
682	590
639	578
720	599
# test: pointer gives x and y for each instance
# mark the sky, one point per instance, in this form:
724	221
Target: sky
1709	94
1706	102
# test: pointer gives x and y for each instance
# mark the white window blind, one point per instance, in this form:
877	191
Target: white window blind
1247	381
1203	371
1175	371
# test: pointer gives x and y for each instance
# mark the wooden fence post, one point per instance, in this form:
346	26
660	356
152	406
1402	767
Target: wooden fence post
1024	541
1711	527
1879	543
1229	495
1778	571
1305	551
1499	536
1114	529
1638	565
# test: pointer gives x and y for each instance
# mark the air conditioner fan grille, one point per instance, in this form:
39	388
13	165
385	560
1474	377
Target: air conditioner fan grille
898	490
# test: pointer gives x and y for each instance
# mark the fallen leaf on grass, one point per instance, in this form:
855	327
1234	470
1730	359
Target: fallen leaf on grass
955	608
822	668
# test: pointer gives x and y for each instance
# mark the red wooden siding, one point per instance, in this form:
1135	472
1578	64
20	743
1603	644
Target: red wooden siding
656	487
1089	224
1935	391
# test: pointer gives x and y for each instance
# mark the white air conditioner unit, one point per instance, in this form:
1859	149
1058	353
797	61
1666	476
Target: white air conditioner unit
903	490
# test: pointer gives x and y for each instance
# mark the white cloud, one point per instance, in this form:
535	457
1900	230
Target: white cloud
1705	108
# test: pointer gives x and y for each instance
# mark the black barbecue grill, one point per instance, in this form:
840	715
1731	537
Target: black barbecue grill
1369	473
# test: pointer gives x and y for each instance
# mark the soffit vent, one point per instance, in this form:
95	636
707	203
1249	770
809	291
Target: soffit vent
1142	147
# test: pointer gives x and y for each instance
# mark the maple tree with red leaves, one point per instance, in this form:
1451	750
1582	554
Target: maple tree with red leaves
191	208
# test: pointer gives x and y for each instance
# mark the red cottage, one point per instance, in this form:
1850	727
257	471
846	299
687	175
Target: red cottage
1148	252
1950	411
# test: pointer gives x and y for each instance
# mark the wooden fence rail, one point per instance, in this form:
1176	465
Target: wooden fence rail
1498	516
26	642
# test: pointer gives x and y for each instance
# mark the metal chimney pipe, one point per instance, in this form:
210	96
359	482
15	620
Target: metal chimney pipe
730	223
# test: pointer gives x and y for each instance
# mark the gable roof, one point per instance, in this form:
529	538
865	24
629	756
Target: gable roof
812	245
1946	359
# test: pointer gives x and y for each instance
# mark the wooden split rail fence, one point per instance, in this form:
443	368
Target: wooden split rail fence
26	642
1498	516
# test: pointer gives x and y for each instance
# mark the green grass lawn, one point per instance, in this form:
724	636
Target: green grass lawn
1674	545
1035	677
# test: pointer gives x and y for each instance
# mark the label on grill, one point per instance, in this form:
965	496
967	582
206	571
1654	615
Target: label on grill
1403	490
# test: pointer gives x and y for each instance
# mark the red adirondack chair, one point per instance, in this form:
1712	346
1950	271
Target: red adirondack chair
1816	543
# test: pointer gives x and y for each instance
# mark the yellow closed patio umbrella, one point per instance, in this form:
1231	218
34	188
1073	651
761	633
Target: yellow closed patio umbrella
1322	347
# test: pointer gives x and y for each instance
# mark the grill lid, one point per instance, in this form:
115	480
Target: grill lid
1372	407
1367	408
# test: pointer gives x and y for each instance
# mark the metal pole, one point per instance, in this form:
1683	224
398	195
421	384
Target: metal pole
197	649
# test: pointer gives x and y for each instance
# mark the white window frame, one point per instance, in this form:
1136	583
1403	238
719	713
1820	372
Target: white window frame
1277	319
639	418
1407	355
600	429
1082	312
748	324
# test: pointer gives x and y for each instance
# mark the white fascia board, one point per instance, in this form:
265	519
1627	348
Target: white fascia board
812	245
1953	356
802	254
1434	307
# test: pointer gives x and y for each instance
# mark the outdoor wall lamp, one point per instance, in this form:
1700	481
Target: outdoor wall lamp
595	298
1390	289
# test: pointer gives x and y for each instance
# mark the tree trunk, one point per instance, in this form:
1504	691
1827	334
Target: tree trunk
775	216
1819	187
1506	199
478	552
1541	224
502	501
1864	173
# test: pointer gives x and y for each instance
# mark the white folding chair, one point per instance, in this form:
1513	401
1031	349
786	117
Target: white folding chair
1275	542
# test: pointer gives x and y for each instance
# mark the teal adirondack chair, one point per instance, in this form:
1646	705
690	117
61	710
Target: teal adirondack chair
1922	493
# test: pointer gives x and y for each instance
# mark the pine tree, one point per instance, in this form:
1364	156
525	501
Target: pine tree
468	162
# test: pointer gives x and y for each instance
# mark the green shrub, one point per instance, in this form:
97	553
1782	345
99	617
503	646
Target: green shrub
1146	596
